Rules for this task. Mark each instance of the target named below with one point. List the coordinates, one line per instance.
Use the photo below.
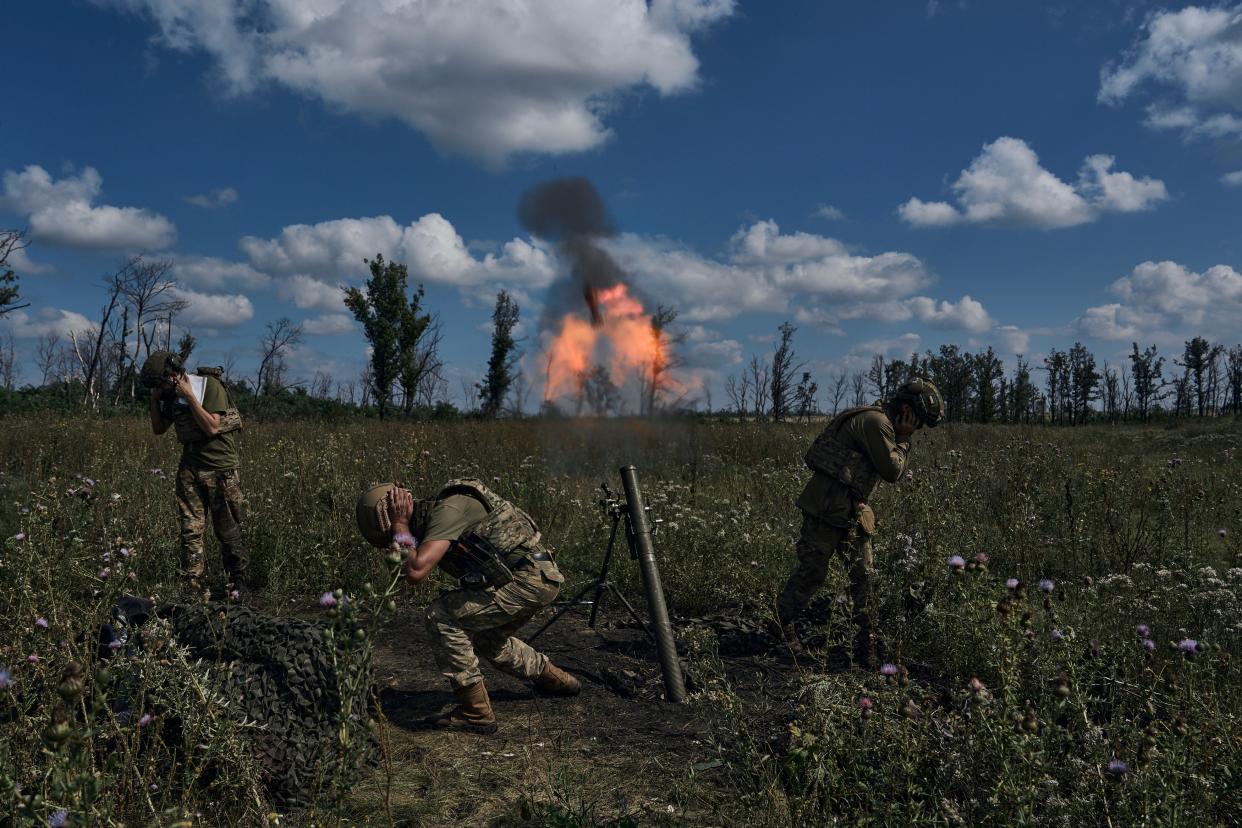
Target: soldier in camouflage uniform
(207, 484)
(500, 588)
(857, 449)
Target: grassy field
(1100, 685)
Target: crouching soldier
(504, 577)
(206, 421)
(860, 447)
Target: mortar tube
(640, 539)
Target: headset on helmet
(924, 399)
(159, 367)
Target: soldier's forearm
(207, 422)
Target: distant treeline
(1205, 380)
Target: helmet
(925, 398)
(158, 366)
(371, 513)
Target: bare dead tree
(47, 352)
(321, 385)
(281, 335)
(738, 391)
(90, 355)
(151, 300)
(654, 379)
(8, 362)
(840, 381)
(427, 364)
(858, 383)
(758, 387)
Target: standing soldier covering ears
(206, 422)
(859, 447)
(504, 577)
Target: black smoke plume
(570, 212)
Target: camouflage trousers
(817, 544)
(468, 623)
(216, 494)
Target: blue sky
(890, 176)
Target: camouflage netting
(279, 672)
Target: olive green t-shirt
(218, 453)
(451, 517)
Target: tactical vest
(183, 420)
(506, 527)
(831, 456)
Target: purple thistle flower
(19, 537)
(6, 678)
(1057, 635)
(1149, 645)
(153, 787)
(58, 819)
(1117, 767)
(32, 659)
(981, 558)
(1143, 630)
(1046, 585)
(145, 720)
(105, 573)
(865, 703)
(1012, 583)
(41, 623)
(957, 562)
(1188, 645)
(124, 552)
(327, 600)
(888, 670)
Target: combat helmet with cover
(924, 398)
(163, 366)
(159, 367)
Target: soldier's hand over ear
(182, 386)
(907, 422)
(401, 507)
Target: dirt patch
(616, 754)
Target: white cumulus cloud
(1192, 59)
(1168, 299)
(47, 321)
(313, 260)
(488, 78)
(210, 273)
(1006, 185)
(966, 314)
(1232, 179)
(62, 213)
(329, 324)
(214, 310)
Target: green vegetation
(1037, 702)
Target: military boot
(473, 712)
(786, 634)
(556, 682)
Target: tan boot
(556, 682)
(473, 712)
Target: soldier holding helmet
(860, 447)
